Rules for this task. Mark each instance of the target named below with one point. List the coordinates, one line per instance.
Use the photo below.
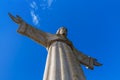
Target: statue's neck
(62, 36)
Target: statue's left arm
(31, 32)
(88, 61)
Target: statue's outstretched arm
(88, 61)
(30, 31)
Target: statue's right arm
(33, 33)
(86, 60)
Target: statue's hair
(58, 31)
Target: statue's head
(62, 31)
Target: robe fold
(63, 60)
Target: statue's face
(62, 31)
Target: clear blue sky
(93, 25)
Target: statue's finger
(10, 15)
(18, 16)
(13, 18)
(97, 63)
(95, 59)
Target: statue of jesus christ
(63, 59)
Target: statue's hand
(96, 63)
(16, 19)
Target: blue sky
(93, 27)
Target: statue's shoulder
(53, 37)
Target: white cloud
(50, 2)
(35, 8)
(43, 4)
(34, 17)
(46, 4)
(34, 5)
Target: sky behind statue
(96, 22)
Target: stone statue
(63, 59)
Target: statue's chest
(59, 39)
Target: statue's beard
(64, 34)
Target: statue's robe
(63, 60)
